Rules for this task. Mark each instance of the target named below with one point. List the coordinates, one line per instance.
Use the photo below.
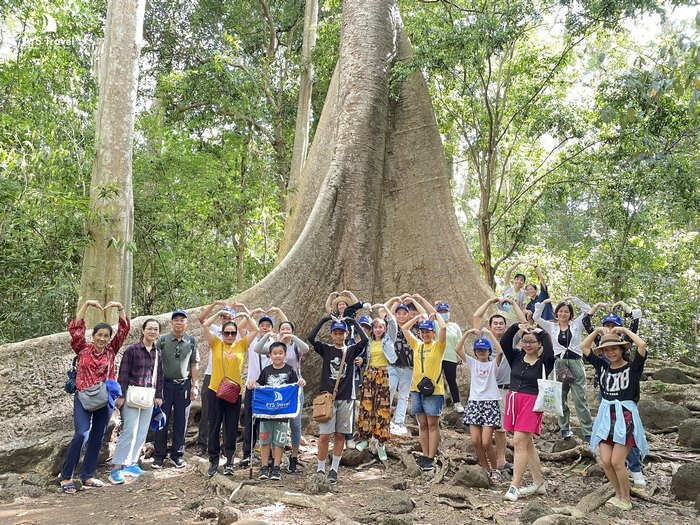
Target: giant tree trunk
(107, 264)
(380, 221)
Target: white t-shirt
(483, 380)
(256, 362)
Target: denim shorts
(428, 405)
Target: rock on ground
(534, 510)
(686, 482)
(560, 445)
(471, 476)
(228, 515)
(396, 503)
(689, 433)
(354, 458)
(658, 414)
(673, 375)
(317, 484)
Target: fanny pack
(426, 385)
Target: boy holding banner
(275, 401)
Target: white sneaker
(638, 479)
(512, 494)
(459, 408)
(350, 443)
(534, 488)
(400, 430)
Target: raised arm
(540, 276)
(496, 346)
(518, 311)
(316, 329)
(415, 303)
(259, 347)
(329, 302)
(442, 336)
(507, 342)
(351, 296)
(80, 314)
(300, 345)
(429, 308)
(587, 343)
(206, 328)
(479, 314)
(537, 316)
(281, 318)
(638, 341)
(252, 326)
(202, 317)
(509, 272)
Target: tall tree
(107, 264)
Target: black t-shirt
(619, 384)
(331, 365)
(524, 376)
(271, 376)
(404, 353)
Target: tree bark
(107, 263)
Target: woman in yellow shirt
(375, 407)
(427, 370)
(227, 356)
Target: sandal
(622, 505)
(69, 488)
(93, 483)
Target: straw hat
(341, 299)
(613, 340)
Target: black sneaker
(178, 463)
(213, 468)
(228, 469)
(332, 477)
(157, 464)
(421, 461)
(428, 465)
(245, 462)
(292, 468)
(276, 473)
(264, 472)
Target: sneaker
(495, 476)
(534, 488)
(332, 477)
(381, 452)
(157, 464)
(245, 462)
(292, 468)
(459, 408)
(228, 469)
(361, 446)
(116, 477)
(321, 472)
(401, 430)
(428, 465)
(638, 479)
(350, 443)
(133, 471)
(567, 434)
(213, 468)
(512, 494)
(178, 463)
(276, 473)
(264, 472)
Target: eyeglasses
(228, 333)
(529, 342)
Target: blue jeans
(428, 405)
(89, 427)
(295, 424)
(176, 407)
(400, 379)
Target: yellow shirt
(432, 362)
(377, 359)
(233, 355)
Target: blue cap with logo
(158, 420)
(443, 307)
(401, 306)
(482, 344)
(266, 318)
(612, 318)
(178, 312)
(365, 319)
(339, 325)
(426, 325)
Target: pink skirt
(519, 416)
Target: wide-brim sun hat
(341, 299)
(613, 340)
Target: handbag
(143, 397)
(564, 373)
(426, 386)
(548, 396)
(228, 389)
(323, 403)
(69, 386)
(96, 396)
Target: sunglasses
(228, 333)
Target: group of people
(405, 349)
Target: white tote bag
(549, 395)
(143, 397)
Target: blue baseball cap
(228, 310)
(482, 344)
(426, 325)
(365, 319)
(339, 325)
(158, 420)
(612, 318)
(401, 306)
(443, 307)
(266, 318)
(178, 312)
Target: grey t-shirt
(178, 355)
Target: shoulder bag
(69, 386)
(143, 397)
(228, 389)
(323, 403)
(426, 385)
(96, 396)
(548, 395)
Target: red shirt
(93, 366)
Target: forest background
(572, 141)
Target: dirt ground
(178, 496)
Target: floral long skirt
(375, 407)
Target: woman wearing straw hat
(618, 426)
